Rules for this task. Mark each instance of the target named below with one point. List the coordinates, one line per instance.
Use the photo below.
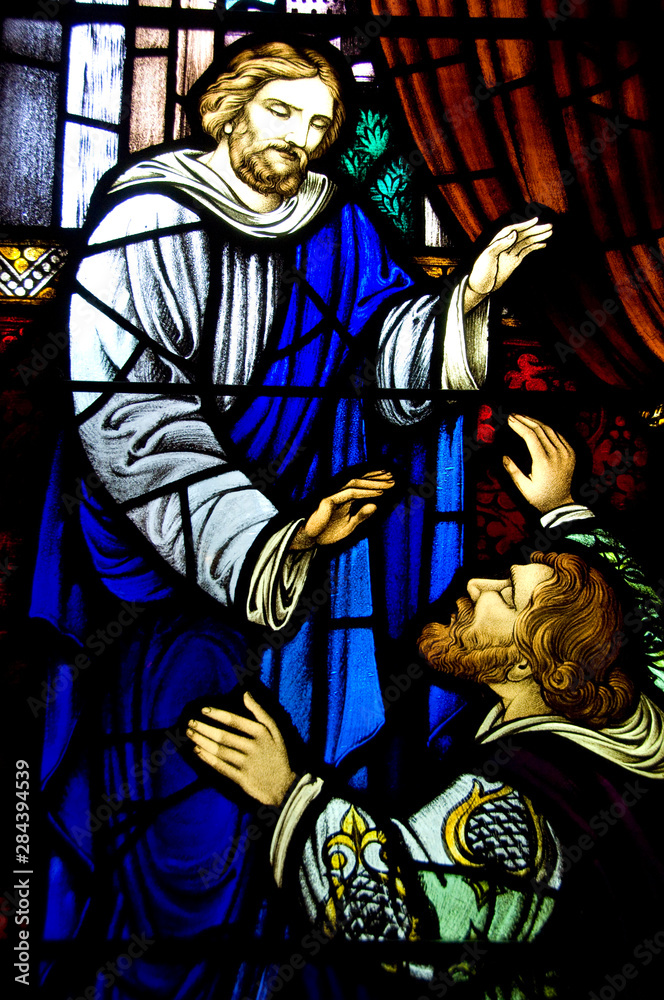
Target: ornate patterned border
(29, 270)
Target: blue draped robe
(170, 852)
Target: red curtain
(562, 123)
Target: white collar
(637, 744)
(182, 169)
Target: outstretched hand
(332, 521)
(505, 252)
(255, 757)
(549, 483)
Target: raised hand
(332, 521)
(549, 483)
(505, 252)
(255, 757)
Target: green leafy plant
(646, 613)
(391, 177)
(372, 138)
(373, 133)
(389, 191)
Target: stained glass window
(270, 427)
(29, 95)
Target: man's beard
(270, 166)
(455, 649)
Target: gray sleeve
(406, 347)
(142, 443)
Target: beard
(270, 166)
(455, 649)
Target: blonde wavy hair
(251, 69)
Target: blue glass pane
(446, 557)
(89, 153)
(404, 528)
(35, 39)
(358, 698)
(28, 106)
(267, 668)
(295, 686)
(359, 779)
(442, 706)
(64, 909)
(349, 573)
(449, 492)
(349, 437)
(96, 65)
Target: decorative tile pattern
(29, 272)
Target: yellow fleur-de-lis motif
(351, 843)
(356, 836)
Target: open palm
(550, 481)
(507, 250)
(334, 519)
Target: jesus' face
(478, 644)
(280, 128)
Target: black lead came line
(641, 25)
(191, 572)
(180, 486)
(344, 333)
(360, 390)
(140, 335)
(149, 234)
(94, 408)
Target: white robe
(140, 442)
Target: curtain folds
(564, 124)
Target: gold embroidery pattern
(367, 897)
(489, 826)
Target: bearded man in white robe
(222, 306)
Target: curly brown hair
(570, 634)
(251, 69)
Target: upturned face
(498, 603)
(271, 143)
(478, 644)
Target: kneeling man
(548, 833)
